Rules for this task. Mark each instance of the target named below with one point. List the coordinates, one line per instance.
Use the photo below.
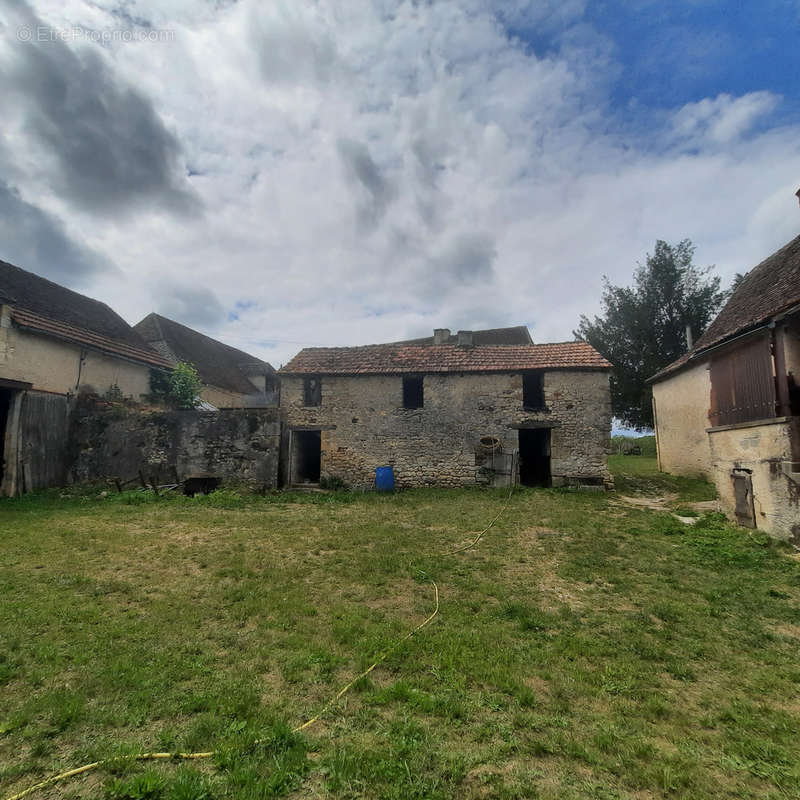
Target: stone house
(730, 408)
(55, 343)
(482, 407)
(232, 378)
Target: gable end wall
(681, 404)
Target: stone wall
(765, 451)
(680, 405)
(364, 425)
(239, 445)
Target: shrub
(180, 388)
(184, 385)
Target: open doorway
(5, 407)
(306, 456)
(534, 456)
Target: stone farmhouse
(231, 377)
(55, 343)
(730, 408)
(480, 407)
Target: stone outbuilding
(478, 407)
(55, 343)
(730, 408)
(231, 377)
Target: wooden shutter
(743, 384)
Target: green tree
(184, 386)
(643, 327)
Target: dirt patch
(652, 502)
(788, 631)
(401, 598)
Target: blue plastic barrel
(384, 479)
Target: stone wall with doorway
(363, 425)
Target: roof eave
(154, 363)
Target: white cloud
(723, 119)
(371, 171)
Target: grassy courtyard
(584, 649)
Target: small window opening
(312, 392)
(412, 392)
(533, 390)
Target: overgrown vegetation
(585, 649)
(179, 388)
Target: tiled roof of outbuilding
(36, 322)
(49, 308)
(383, 359)
(767, 290)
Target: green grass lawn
(583, 650)
(634, 475)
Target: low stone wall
(239, 445)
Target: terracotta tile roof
(386, 359)
(218, 364)
(71, 333)
(767, 290)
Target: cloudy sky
(279, 174)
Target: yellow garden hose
(62, 776)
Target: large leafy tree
(643, 327)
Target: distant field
(647, 444)
(585, 649)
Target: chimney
(441, 335)
(689, 338)
(465, 338)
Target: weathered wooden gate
(42, 441)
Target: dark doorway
(307, 456)
(5, 407)
(534, 456)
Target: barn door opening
(5, 408)
(307, 456)
(534, 456)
